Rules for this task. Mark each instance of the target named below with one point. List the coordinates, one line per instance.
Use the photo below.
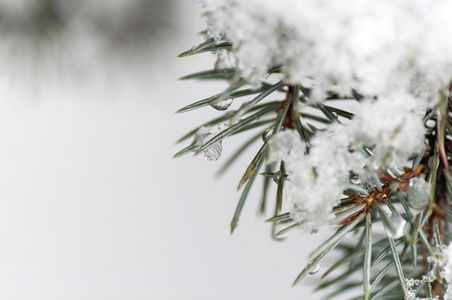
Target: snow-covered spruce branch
(361, 135)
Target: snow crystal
(441, 261)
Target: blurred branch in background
(44, 39)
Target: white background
(92, 206)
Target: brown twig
(377, 196)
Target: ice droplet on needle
(213, 153)
(276, 176)
(222, 105)
(315, 270)
(267, 134)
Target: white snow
(380, 46)
(392, 130)
(398, 51)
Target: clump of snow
(314, 185)
(287, 146)
(310, 192)
(391, 130)
(381, 47)
(391, 126)
(397, 54)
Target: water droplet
(222, 105)
(399, 225)
(276, 176)
(418, 194)
(334, 114)
(267, 134)
(213, 153)
(315, 270)
(355, 179)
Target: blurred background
(92, 205)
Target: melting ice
(222, 105)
